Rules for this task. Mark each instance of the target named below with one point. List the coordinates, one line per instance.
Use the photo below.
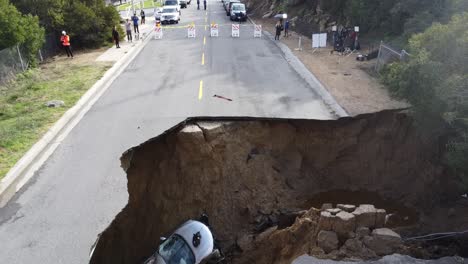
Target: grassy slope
(146, 4)
(23, 116)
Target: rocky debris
(346, 207)
(383, 241)
(365, 215)
(55, 103)
(326, 206)
(327, 240)
(326, 221)
(345, 223)
(380, 215)
(362, 231)
(334, 211)
(355, 240)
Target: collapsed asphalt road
(240, 170)
(56, 217)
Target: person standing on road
(204, 4)
(286, 28)
(65, 40)
(116, 37)
(142, 14)
(198, 4)
(128, 29)
(278, 28)
(135, 23)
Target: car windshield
(169, 10)
(170, 3)
(176, 251)
(238, 7)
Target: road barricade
(235, 30)
(158, 33)
(214, 30)
(258, 31)
(191, 31)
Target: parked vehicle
(158, 13)
(172, 3)
(229, 5)
(170, 15)
(183, 3)
(238, 12)
(191, 243)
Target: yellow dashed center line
(200, 90)
(206, 19)
(203, 59)
(204, 40)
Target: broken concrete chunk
(326, 221)
(326, 206)
(327, 240)
(344, 224)
(354, 245)
(380, 215)
(191, 129)
(356, 248)
(346, 207)
(383, 241)
(362, 231)
(365, 215)
(334, 211)
(317, 251)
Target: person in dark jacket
(286, 28)
(116, 37)
(198, 4)
(142, 14)
(204, 4)
(279, 28)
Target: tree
(435, 82)
(20, 29)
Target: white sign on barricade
(319, 40)
(191, 31)
(214, 30)
(158, 33)
(235, 30)
(258, 31)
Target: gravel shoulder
(346, 79)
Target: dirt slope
(236, 170)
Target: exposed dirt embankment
(238, 170)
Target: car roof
(206, 247)
(170, 7)
(238, 4)
(234, 1)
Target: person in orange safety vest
(65, 40)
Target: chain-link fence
(388, 55)
(12, 62)
(15, 60)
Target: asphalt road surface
(76, 194)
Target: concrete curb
(25, 168)
(308, 76)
